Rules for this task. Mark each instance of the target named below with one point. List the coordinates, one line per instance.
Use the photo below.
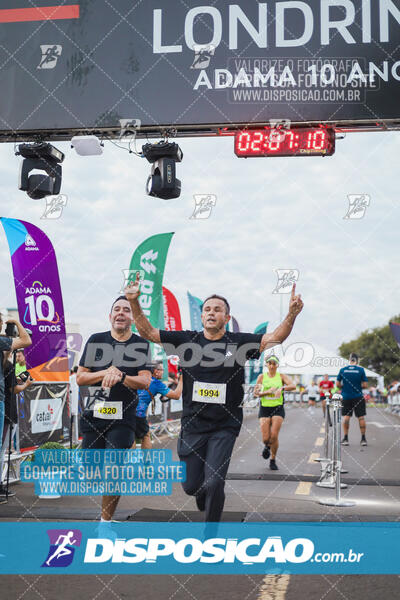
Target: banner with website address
(211, 548)
(188, 63)
(39, 299)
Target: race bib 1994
(212, 393)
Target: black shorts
(356, 404)
(271, 411)
(118, 437)
(142, 428)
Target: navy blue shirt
(351, 378)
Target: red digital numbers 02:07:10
(316, 141)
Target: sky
(270, 213)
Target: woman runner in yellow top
(269, 388)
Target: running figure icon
(62, 550)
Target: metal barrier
(332, 468)
(16, 459)
(250, 403)
(326, 479)
(170, 428)
(295, 399)
(393, 404)
(328, 424)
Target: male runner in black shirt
(112, 367)
(212, 363)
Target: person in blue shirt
(351, 380)
(156, 387)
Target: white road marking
(304, 488)
(320, 441)
(274, 587)
(381, 425)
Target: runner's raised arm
(143, 325)
(283, 330)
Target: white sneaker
(105, 530)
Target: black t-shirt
(100, 352)
(220, 361)
(5, 345)
(10, 406)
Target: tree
(378, 351)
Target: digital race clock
(316, 141)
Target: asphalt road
(254, 493)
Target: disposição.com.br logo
(62, 547)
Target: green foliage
(378, 351)
(52, 446)
(47, 446)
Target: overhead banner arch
(91, 66)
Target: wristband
(123, 377)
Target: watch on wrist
(123, 377)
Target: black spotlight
(162, 182)
(44, 157)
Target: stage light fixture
(162, 182)
(43, 157)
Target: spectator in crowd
(8, 344)
(148, 396)
(385, 394)
(394, 389)
(74, 401)
(172, 380)
(20, 362)
(373, 392)
(325, 388)
(313, 396)
(11, 415)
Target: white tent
(311, 362)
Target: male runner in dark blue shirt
(351, 380)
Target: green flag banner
(262, 328)
(195, 305)
(150, 258)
